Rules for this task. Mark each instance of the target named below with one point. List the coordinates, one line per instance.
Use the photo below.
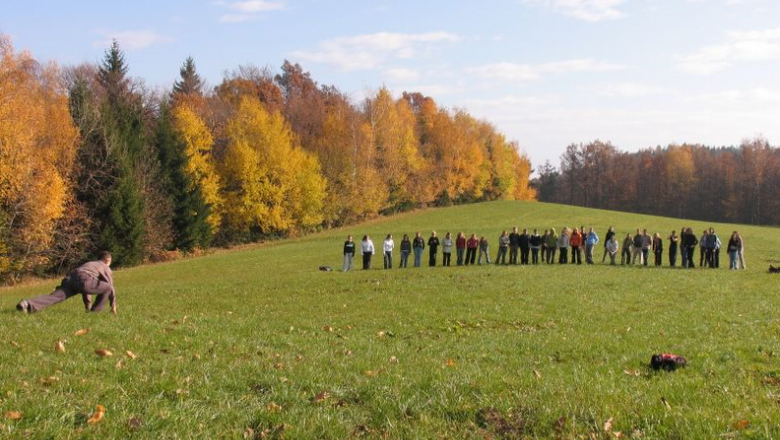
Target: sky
(547, 73)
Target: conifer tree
(191, 212)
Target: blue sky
(548, 73)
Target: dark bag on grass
(667, 361)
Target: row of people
(529, 246)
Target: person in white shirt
(612, 249)
(367, 249)
(387, 248)
(446, 249)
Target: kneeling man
(93, 278)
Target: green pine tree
(191, 213)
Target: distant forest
(92, 158)
(736, 184)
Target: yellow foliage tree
(395, 144)
(37, 145)
(200, 167)
(269, 183)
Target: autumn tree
(270, 185)
(37, 145)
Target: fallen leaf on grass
(134, 423)
(13, 415)
(321, 397)
(15, 344)
(393, 360)
(381, 334)
(104, 353)
(537, 374)
(632, 372)
(370, 373)
(59, 347)
(130, 354)
(119, 364)
(100, 411)
(328, 329)
(83, 331)
(608, 425)
(450, 363)
(742, 424)
(273, 407)
(46, 381)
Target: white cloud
(529, 72)
(132, 40)
(740, 47)
(629, 90)
(256, 6)
(248, 10)
(586, 10)
(371, 51)
(400, 74)
(728, 97)
(237, 18)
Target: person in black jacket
(406, 249)
(514, 244)
(673, 240)
(536, 245)
(689, 243)
(418, 245)
(349, 254)
(433, 247)
(525, 246)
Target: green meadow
(258, 343)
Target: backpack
(667, 361)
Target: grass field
(258, 343)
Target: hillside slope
(543, 351)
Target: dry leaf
(100, 411)
(323, 395)
(83, 331)
(104, 353)
(134, 423)
(130, 354)
(327, 328)
(742, 424)
(617, 434)
(370, 373)
(15, 344)
(632, 372)
(273, 407)
(49, 380)
(381, 334)
(537, 374)
(59, 347)
(450, 363)
(608, 425)
(13, 415)
(393, 360)
(119, 364)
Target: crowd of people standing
(571, 244)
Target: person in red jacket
(471, 249)
(575, 241)
(460, 247)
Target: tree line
(93, 159)
(729, 184)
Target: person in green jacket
(552, 245)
